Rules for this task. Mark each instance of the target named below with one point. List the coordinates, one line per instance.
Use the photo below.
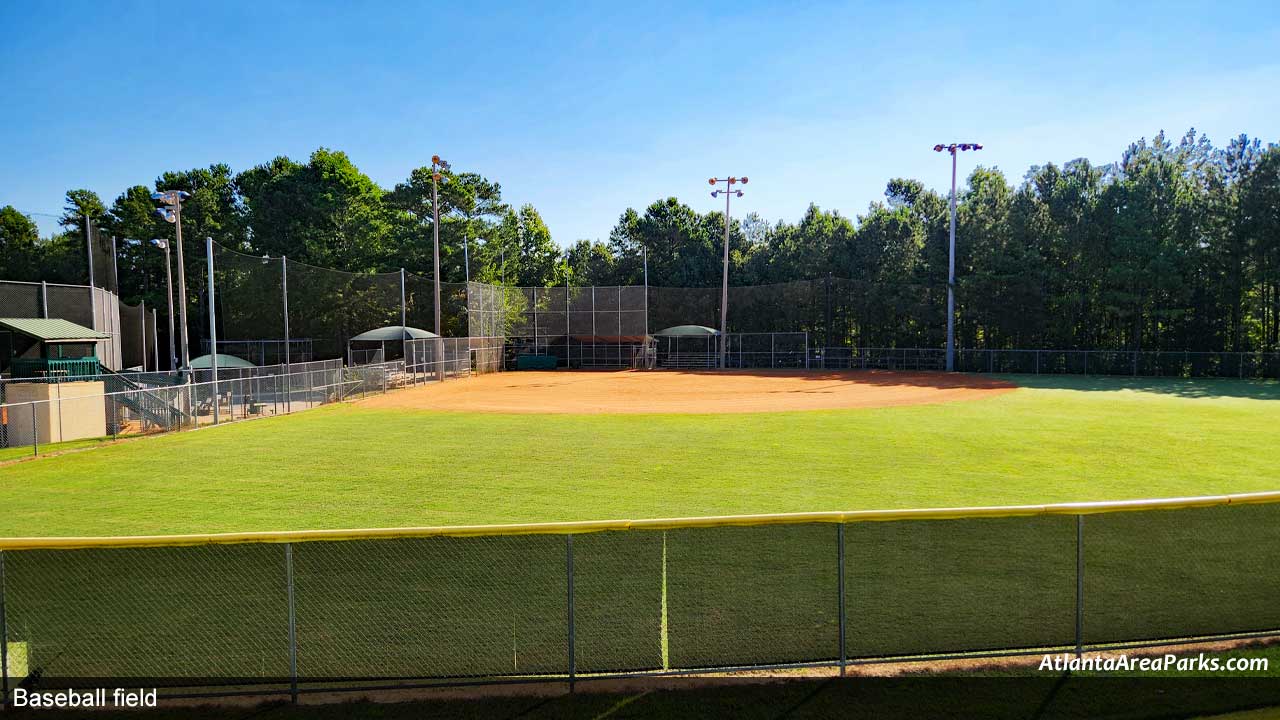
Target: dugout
(580, 352)
(687, 347)
(384, 343)
(55, 390)
(41, 347)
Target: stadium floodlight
(951, 262)
(728, 192)
(168, 284)
(171, 212)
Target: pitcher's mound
(665, 391)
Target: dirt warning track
(732, 391)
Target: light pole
(438, 168)
(724, 284)
(168, 283)
(172, 212)
(951, 261)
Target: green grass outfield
(345, 466)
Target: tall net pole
(182, 288)
(646, 292)
(213, 328)
(88, 245)
(284, 291)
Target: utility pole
(951, 261)
(724, 284)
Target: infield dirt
(742, 391)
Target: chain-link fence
(1147, 363)
(326, 608)
(41, 415)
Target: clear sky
(586, 109)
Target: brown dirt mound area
(593, 392)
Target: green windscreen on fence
(1178, 573)
(617, 589)
(215, 611)
(947, 586)
(509, 606)
(432, 607)
(752, 595)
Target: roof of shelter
(393, 332)
(224, 361)
(688, 330)
(52, 329)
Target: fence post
(35, 433)
(568, 554)
(1079, 585)
(840, 592)
(293, 627)
(4, 644)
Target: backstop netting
(580, 327)
(325, 308)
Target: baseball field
(570, 446)
(559, 446)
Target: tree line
(1175, 245)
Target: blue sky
(586, 109)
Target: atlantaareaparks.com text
(1148, 663)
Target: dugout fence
(154, 402)
(293, 612)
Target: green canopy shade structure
(371, 346)
(688, 330)
(205, 362)
(392, 333)
(687, 347)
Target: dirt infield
(596, 392)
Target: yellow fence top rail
(571, 528)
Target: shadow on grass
(1180, 387)
(1051, 696)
